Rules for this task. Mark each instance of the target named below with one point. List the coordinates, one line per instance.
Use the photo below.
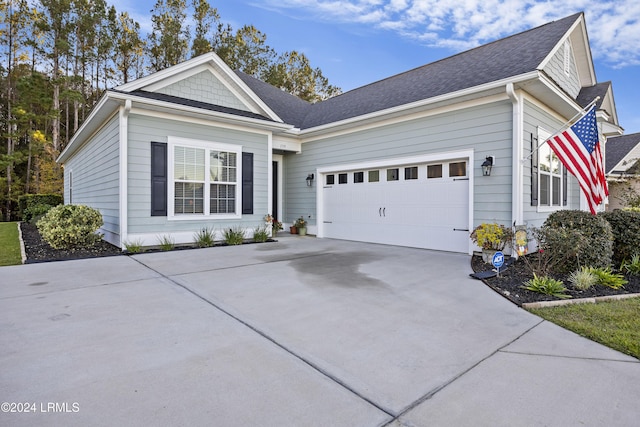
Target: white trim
(172, 142)
(517, 175)
(269, 174)
(124, 172)
(398, 161)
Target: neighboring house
(395, 162)
(623, 175)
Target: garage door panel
(423, 213)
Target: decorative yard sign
(498, 261)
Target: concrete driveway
(303, 332)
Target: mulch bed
(510, 281)
(37, 250)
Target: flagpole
(564, 125)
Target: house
(622, 171)
(395, 162)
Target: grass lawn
(9, 244)
(615, 324)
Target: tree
(129, 48)
(293, 73)
(168, 43)
(246, 50)
(206, 19)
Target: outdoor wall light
(310, 180)
(487, 165)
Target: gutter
(517, 190)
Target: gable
(562, 68)
(204, 87)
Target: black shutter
(534, 171)
(158, 179)
(565, 186)
(247, 183)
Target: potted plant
(491, 237)
(301, 225)
(272, 225)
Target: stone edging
(543, 304)
(23, 253)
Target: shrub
(166, 243)
(492, 236)
(134, 247)
(234, 236)
(598, 248)
(625, 226)
(609, 279)
(35, 212)
(205, 238)
(260, 235)
(583, 279)
(547, 286)
(69, 226)
(631, 267)
(28, 202)
(557, 249)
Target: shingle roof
(197, 104)
(504, 58)
(618, 147)
(588, 94)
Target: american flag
(578, 148)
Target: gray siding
(534, 117)
(486, 129)
(204, 87)
(555, 69)
(143, 130)
(96, 180)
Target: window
(374, 176)
(206, 178)
(393, 174)
(223, 178)
(434, 171)
(70, 187)
(342, 178)
(331, 179)
(458, 169)
(358, 177)
(550, 171)
(411, 173)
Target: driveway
(302, 332)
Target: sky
(357, 42)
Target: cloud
(613, 25)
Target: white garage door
(422, 206)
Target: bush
(33, 205)
(205, 237)
(492, 236)
(546, 286)
(598, 248)
(166, 243)
(234, 236)
(631, 266)
(558, 249)
(260, 235)
(69, 226)
(626, 234)
(609, 279)
(583, 279)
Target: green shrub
(234, 236)
(557, 249)
(583, 279)
(35, 212)
(609, 279)
(205, 238)
(70, 226)
(166, 243)
(28, 202)
(260, 235)
(134, 247)
(547, 286)
(626, 233)
(631, 267)
(598, 248)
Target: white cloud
(613, 25)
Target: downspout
(124, 144)
(517, 207)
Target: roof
(619, 147)
(588, 94)
(512, 56)
(197, 104)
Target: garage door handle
(384, 212)
(380, 212)
(460, 229)
(461, 179)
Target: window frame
(562, 176)
(208, 146)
